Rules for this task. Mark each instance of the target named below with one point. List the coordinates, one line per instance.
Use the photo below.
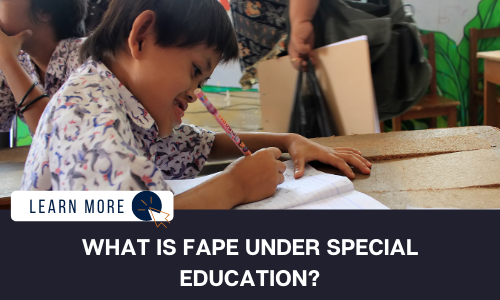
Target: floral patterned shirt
(63, 62)
(95, 135)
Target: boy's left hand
(303, 151)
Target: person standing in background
(260, 27)
(302, 39)
(401, 73)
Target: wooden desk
(491, 80)
(440, 168)
(435, 168)
(11, 172)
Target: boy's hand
(10, 47)
(257, 176)
(303, 150)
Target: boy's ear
(142, 34)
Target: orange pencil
(203, 98)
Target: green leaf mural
(488, 17)
(452, 72)
(452, 61)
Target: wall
(447, 16)
(451, 21)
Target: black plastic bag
(401, 73)
(310, 115)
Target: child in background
(114, 125)
(48, 32)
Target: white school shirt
(95, 135)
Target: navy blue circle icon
(143, 202)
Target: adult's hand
(301, 44)
(302, 31)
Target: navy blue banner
(458, 256)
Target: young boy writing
(112, 126)
(48, 32)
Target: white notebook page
(180, 186)
(350, 200)
(313, 186)
(315, 190)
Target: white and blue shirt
(95, 135)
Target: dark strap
(33, 102)
(27, 93)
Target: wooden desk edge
(491, 55)
(5, 202)
(5, 207)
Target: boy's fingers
(340, 164)
(347, 149)
(281, 167)
(298, 167)
(275, 151)
(281, 178)
(364, 160)
(355, 162)
(361, 158)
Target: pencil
(237, 141)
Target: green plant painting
(452, 61)
(452, 64)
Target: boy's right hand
(256, 177)
(10, 47)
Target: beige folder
(344, 73)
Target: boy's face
(167, 78)
(15, 16)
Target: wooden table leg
(490, 103)
(396, 124)
(498, 113)
(473, 111)
(433, 123)
(452, 117)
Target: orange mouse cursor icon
(160, 215)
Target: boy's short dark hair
(179, 23)
(67, 16)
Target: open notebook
(315, 190)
